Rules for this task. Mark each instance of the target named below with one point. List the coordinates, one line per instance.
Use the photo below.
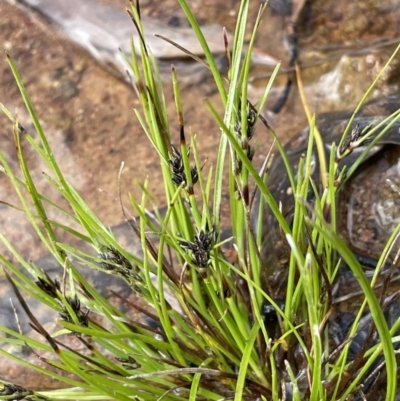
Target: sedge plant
(212, 328)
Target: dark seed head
(49, 286)
(18, 392)
(178, 170)
(200, 247)
(251, 121)
(75, 305)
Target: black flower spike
(178, 179)
(353, 140)
(201, 247)
(178, 170)
(75, 305)
(114, 261)
(117, 263)
(18, 392)
(250, 153)
(251, 121)
(129, 363)
(49, 286)
(176, 161)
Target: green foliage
(204, 335)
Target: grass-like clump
(212, 327)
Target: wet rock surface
(367, 203)
(372, 203)
(87, 113)
(367, 216)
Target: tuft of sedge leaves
(214, 330)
